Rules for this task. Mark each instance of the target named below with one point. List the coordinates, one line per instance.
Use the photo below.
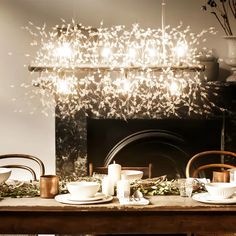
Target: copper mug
(49, 186)
(221, 176)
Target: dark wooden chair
(193, 171)
(147, 170)
(25, 167)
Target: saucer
(207, 198)
(65, 198)
(96, 197)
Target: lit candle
(114, 172)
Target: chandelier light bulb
(123, 85)
(152, 52)
(132, 53)
(65, 86)
(64, 50)
(175, 89)
(106, 52)
(181, 49)
(126, 85)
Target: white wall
(21, 132)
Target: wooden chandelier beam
(119, 68)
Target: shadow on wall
(223, 74)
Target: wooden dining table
(164, 214)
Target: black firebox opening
(166, 143)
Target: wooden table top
(157, 203)
(165, 214)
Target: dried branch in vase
(223, 10)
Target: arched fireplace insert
(165, 150)
(167, 143)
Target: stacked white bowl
(4, 174)
(83, 189)
(220, 191)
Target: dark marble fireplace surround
(167, 143)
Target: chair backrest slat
(20, 166)
(193, 173)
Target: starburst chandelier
(119, 72)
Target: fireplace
(166, 143)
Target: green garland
(18, 189)
(161, 188)
(149, 187)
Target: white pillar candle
(114, 172)
(107, 186)
(123, 188)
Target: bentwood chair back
(192, 171)
(147, 170)
(23, 166)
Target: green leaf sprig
(19, 189)
(156, 186)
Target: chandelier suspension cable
(163, 4)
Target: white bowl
(4, 174)
(220, 190)
(83, 189)
(132, 175)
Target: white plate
(65, 198)
(206, 198)
(96, 197)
